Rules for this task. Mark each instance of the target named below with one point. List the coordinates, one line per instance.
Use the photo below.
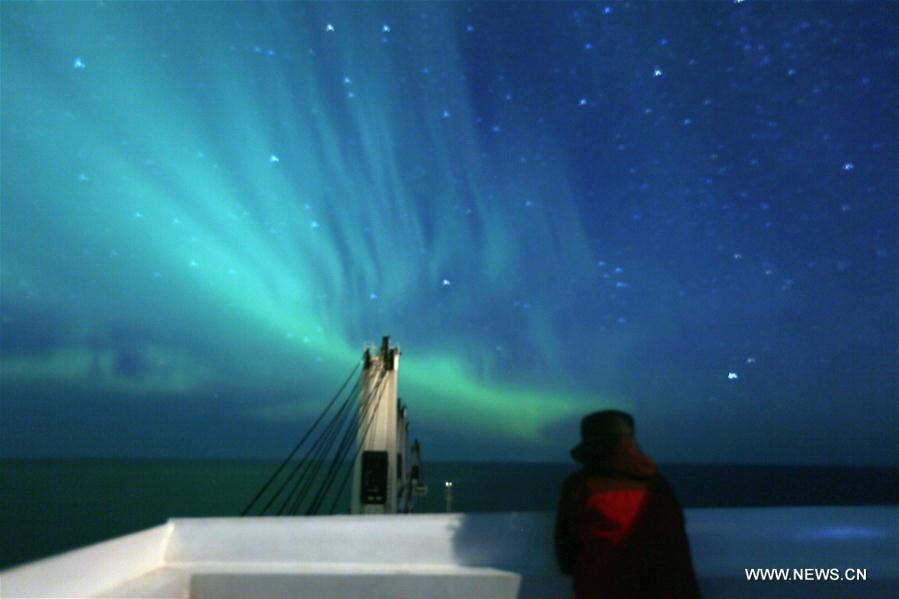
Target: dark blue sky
(687, 210)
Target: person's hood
(630, 461)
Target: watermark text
(806, 574)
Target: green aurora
(678, 209)
(277, 210)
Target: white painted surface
(88, 571)
(453, 555)
(470, 582)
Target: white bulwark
(502, 555)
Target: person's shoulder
(573, 480)
(661, 484)
(662, 489)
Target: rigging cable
(359, 447)
(301, 442)
(345, 445)
(318, 449)
(321, 457)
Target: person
(619, 528)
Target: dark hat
(600, 432)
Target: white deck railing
(452, 555)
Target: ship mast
(377, 471)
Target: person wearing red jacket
(619, 528)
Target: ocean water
(48, 506)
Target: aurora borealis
(684, 210)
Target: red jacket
(620, 531)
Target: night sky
(685, 210)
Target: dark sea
(50, 506)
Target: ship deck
(452, 555)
